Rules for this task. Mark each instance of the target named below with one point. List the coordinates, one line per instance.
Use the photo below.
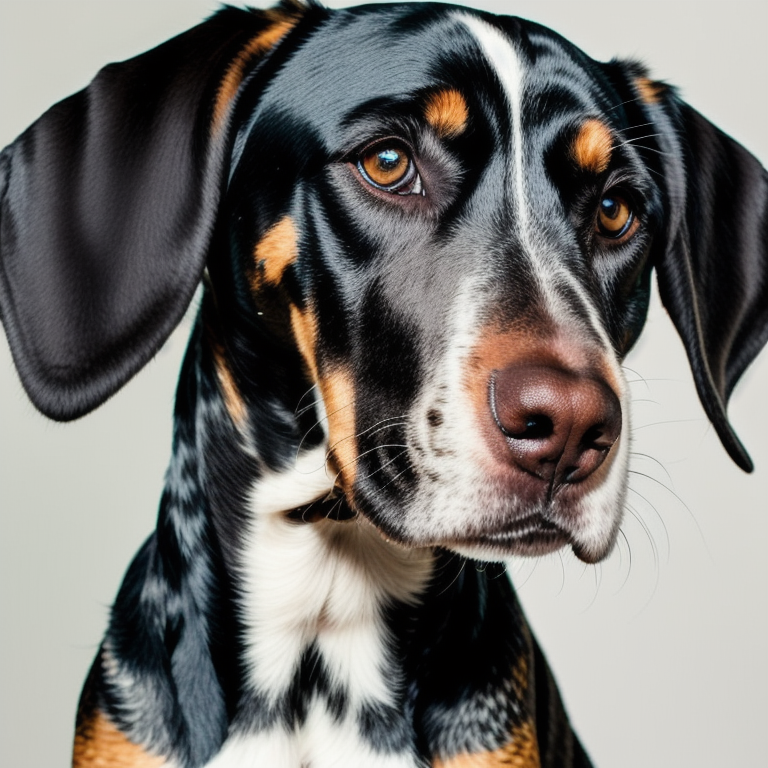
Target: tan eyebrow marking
(649, 90)
(275, 252)
(447, 112)
(592, 147)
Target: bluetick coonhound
(425, 236)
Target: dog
(388, 276)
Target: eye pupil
(609, 208)
(615, 217)
(389, 159)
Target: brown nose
(559, 425)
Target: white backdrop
(660, 651)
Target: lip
(530, 536)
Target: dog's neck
(284, 612)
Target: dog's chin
(494, 548)
(534, 537)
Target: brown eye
(389, 167)
(614, 216)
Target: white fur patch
(327, 583)
(321, 743)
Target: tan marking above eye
(613, 216)
(275, 252)
(593, 145)
(447, 112)
(650, 91)
(386, 164)
(281, 22)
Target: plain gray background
(660, 651)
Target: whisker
(372, 430)
(317, 424)
(629, 564)
(655, 461)
(562, 573)
(654, 550)
(684, 505)
(668, 421)
(654, 510)
(532, 567)
(597, 570)
(624, 103)
(635, 139)
(300, 412)
(357, 458)
(634, 127)
(457, 576)
(386, 464)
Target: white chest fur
(324, 584)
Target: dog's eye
(614, 216)
(388, 166)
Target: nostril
(535, 427)
(598, 438)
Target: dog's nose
(559, 425)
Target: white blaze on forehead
(550, 273)
(509, 70)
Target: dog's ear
(712, 263)
(107, 206)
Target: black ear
(712, 265)
(107, 205)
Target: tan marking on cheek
(521, 752)
(304, 328)
(447, 113)
(275, 252)
(281, 24)
(592, 146)
(649, 90)
(98, 744)
(495, 350)
(338, 391)
(233, 400)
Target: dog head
(442, 221)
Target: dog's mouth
(530, 536)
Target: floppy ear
(712, 265)
(107, 205)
